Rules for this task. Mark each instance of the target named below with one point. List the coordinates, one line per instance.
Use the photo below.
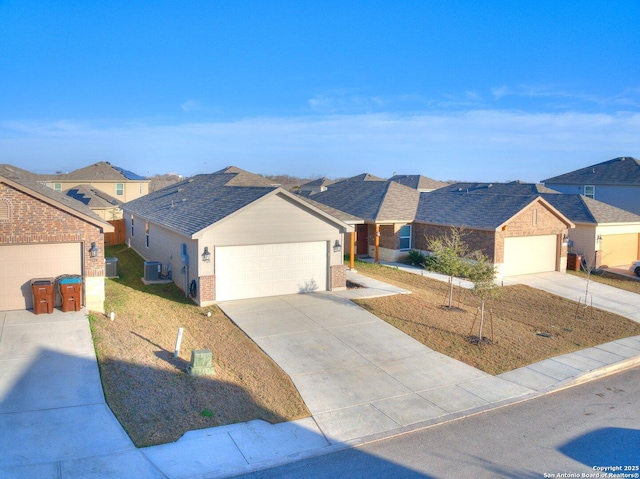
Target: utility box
(201, 364)
(42, 290)
(152, 270)
(111, 267)
(71, 291)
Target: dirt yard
(524, 325)
(148, 389)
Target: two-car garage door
(22, 263)
(269, 270)
(529, 254)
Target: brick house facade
(36, 217)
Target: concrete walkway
(361, 379)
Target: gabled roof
(619, 171)
(192, 205)
(13, 172)
(240, 177)
(92, 197)
(360, 177)
(341, 215)
(101, 171)
(418, 182)
(475, 211)
(376, 201)
(58, 200)
(512, 188)
(581, 209)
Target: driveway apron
(54, 421)
(358, 375)
(573, 287)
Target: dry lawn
(524, 325)
(147, 388)
(616, 280)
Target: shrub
(416, 258)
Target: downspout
(352, 255)
(377, 245)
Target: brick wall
(34, 221)
(475, 239)
(338, 277)
(207, 288)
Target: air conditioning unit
(152, 270)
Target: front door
(362, 241)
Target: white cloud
(483, 145)
(189, 105)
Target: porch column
(352, 252)
(377, 243)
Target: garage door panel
(22, 263)
(529, 254)
(270, 270)
(619, 250)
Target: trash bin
(111, 267)
(71, 291)
(42, 289)
(574, 261)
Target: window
(119, 189)
(141, 189)
(590, 191)
(405, 237)
(57, 186)
(132, 226)
(146, 228)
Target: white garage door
(22, 263)
(270, 270)
(529, 254)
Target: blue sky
(467, 90)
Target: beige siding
(584, 241)
(132, 189)
(274, 220)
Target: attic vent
(490, 185)
(190, 180)
(184, 199)
(180, 189)
(5, 210)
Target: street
(592, 430)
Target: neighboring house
(226, 236)
(603, 234)
(418, 182)
(45, 234)
(616, 182)
(385, 210)
(520, 234)
(105, 206)
(103, 176)
(315, 186)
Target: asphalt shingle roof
(92, 197)
(511, 188)
(581, 209)
(47, 192)
(101, 171)
(418, 182)
(476, 211)
(619, 171)
(372, 200)
(198, 202)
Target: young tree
(449, 253)
(483, 275)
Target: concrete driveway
(358, 375)
(54, 421)
(573, 287)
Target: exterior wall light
(337, 246)
(93, 251)
(206, 255)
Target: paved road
(572, 431)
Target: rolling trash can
(71, 292)
(42, 290)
